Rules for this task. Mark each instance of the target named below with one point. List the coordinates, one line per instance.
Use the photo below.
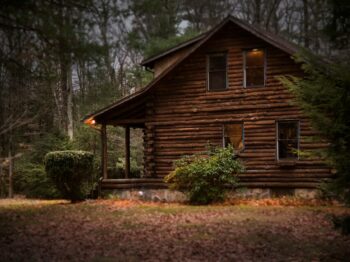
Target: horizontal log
(279, 185)
(131, 180)
(138, 185)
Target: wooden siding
(162, 64)
(182, 116)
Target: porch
(128, 114)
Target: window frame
(225, 54)
(245, 51)
(277, 140)
(243, 135)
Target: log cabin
(221, 88)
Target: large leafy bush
(204, 178)
(71, 171)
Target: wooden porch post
(127, 152)
(104, 151)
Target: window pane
(255, 76)
(233, 135)
(288, 139)
(255, 57)
(288, 130)
(217, 62)
(288, 149)
(217, 80)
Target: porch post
(104, 151)
(127, 152)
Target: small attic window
(217, 72)
(254, 67)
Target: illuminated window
(254, 67)
(234, 135)
(288, 139)
(217, 72)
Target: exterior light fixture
(90, 121)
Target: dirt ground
(114, 230)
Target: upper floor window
(288, 139)
(254, 67)
(217, 72)
(234, 135)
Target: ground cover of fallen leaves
(120, 230)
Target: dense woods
(60, 60)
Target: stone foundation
(166, 195)
(260, 193)
(157, 195)
(307, 193)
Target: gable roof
(198, 41)
(149, 62)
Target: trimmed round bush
(70, 171)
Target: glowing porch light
(90, 121)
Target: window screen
(288, 139)
(233, 135)
(254, 67)
(217, 72)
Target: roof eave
(149, 62)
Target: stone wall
(166, 195)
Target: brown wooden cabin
(221, 88)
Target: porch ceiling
(130, 112)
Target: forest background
(63, 59)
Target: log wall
(185, 116)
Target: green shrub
(119, 170)
(342, 222)
(32, 181)
(48, 143)
(29, 171)
(71, 171)
(119, 173)
(204, 178)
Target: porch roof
(125, 112)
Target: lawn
(112, 230)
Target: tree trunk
(69, 103)
(317, 11)
(2, 183)
(306, 23)
(257, 17)
(10, 173)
